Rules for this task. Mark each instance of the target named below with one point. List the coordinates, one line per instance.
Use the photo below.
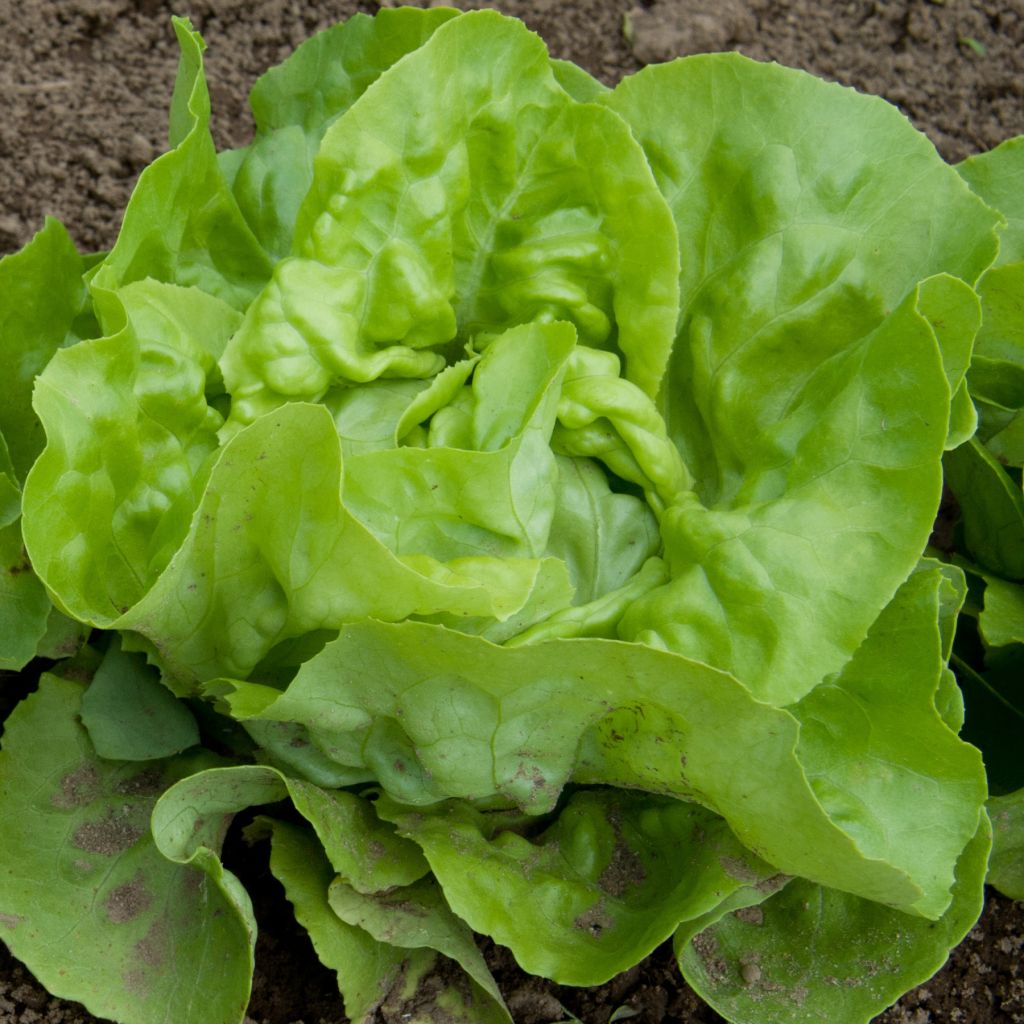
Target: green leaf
(182, 225)
(991, 506)
(41, 294)
(816, 954)
(1002, 619)
(853, 745)
(367, 970)
(436, 714)
(272, 553)
(418, 917)
(594, 892)
(130, 715)
(998, 177)
(1006, 865)
(469, 234)
(129, 429)
(802, 390)
(295, 102)
(82, 873)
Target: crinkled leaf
(129, 430)
(436, 714)
(273, 553)
(597, 890)
(1006, 865)
(83, 874)
(803, 390)
(815, 954)
(130, 715)
(451, 222)
(295, 102)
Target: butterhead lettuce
(520, 490)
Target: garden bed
(85, 86)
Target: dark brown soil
(84, 87)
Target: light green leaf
(816, 954)
(780, 581)
(82, 873)
(272, 553)
(1006, 866)
(129, 430)
(853, 745)
(436, 714)
(295, 102)
(802, 392)
(998, 177)
(182, 225)
(469, 234)
(130, 715)
(596, 890)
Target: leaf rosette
(523, 485)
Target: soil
(84, 87)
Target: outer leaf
(273, 553)
(998, 177)
(128, 429)
(82, 874)
(1002, 619)
(597, 890)
(436, 714)
(814, 954)
(992, 509)
(130, 715)
(363, 849)
(296, 101)
(41, 294)
(418, 917)
(1006, 866)
(809, 416)
(469, 234)
(853, 744)
(779, 581)
(182, 225)
(367, 970)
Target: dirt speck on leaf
(109, 837)
(78, 788)
(127, 901)
(706, 947)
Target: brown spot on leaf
(127, 901)
(10, 920)
(151, 949)
(109, 837)
(78, 788)
(750, 915)
(706, 947)
(596, 920)
(739, 869)
(149, 782)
